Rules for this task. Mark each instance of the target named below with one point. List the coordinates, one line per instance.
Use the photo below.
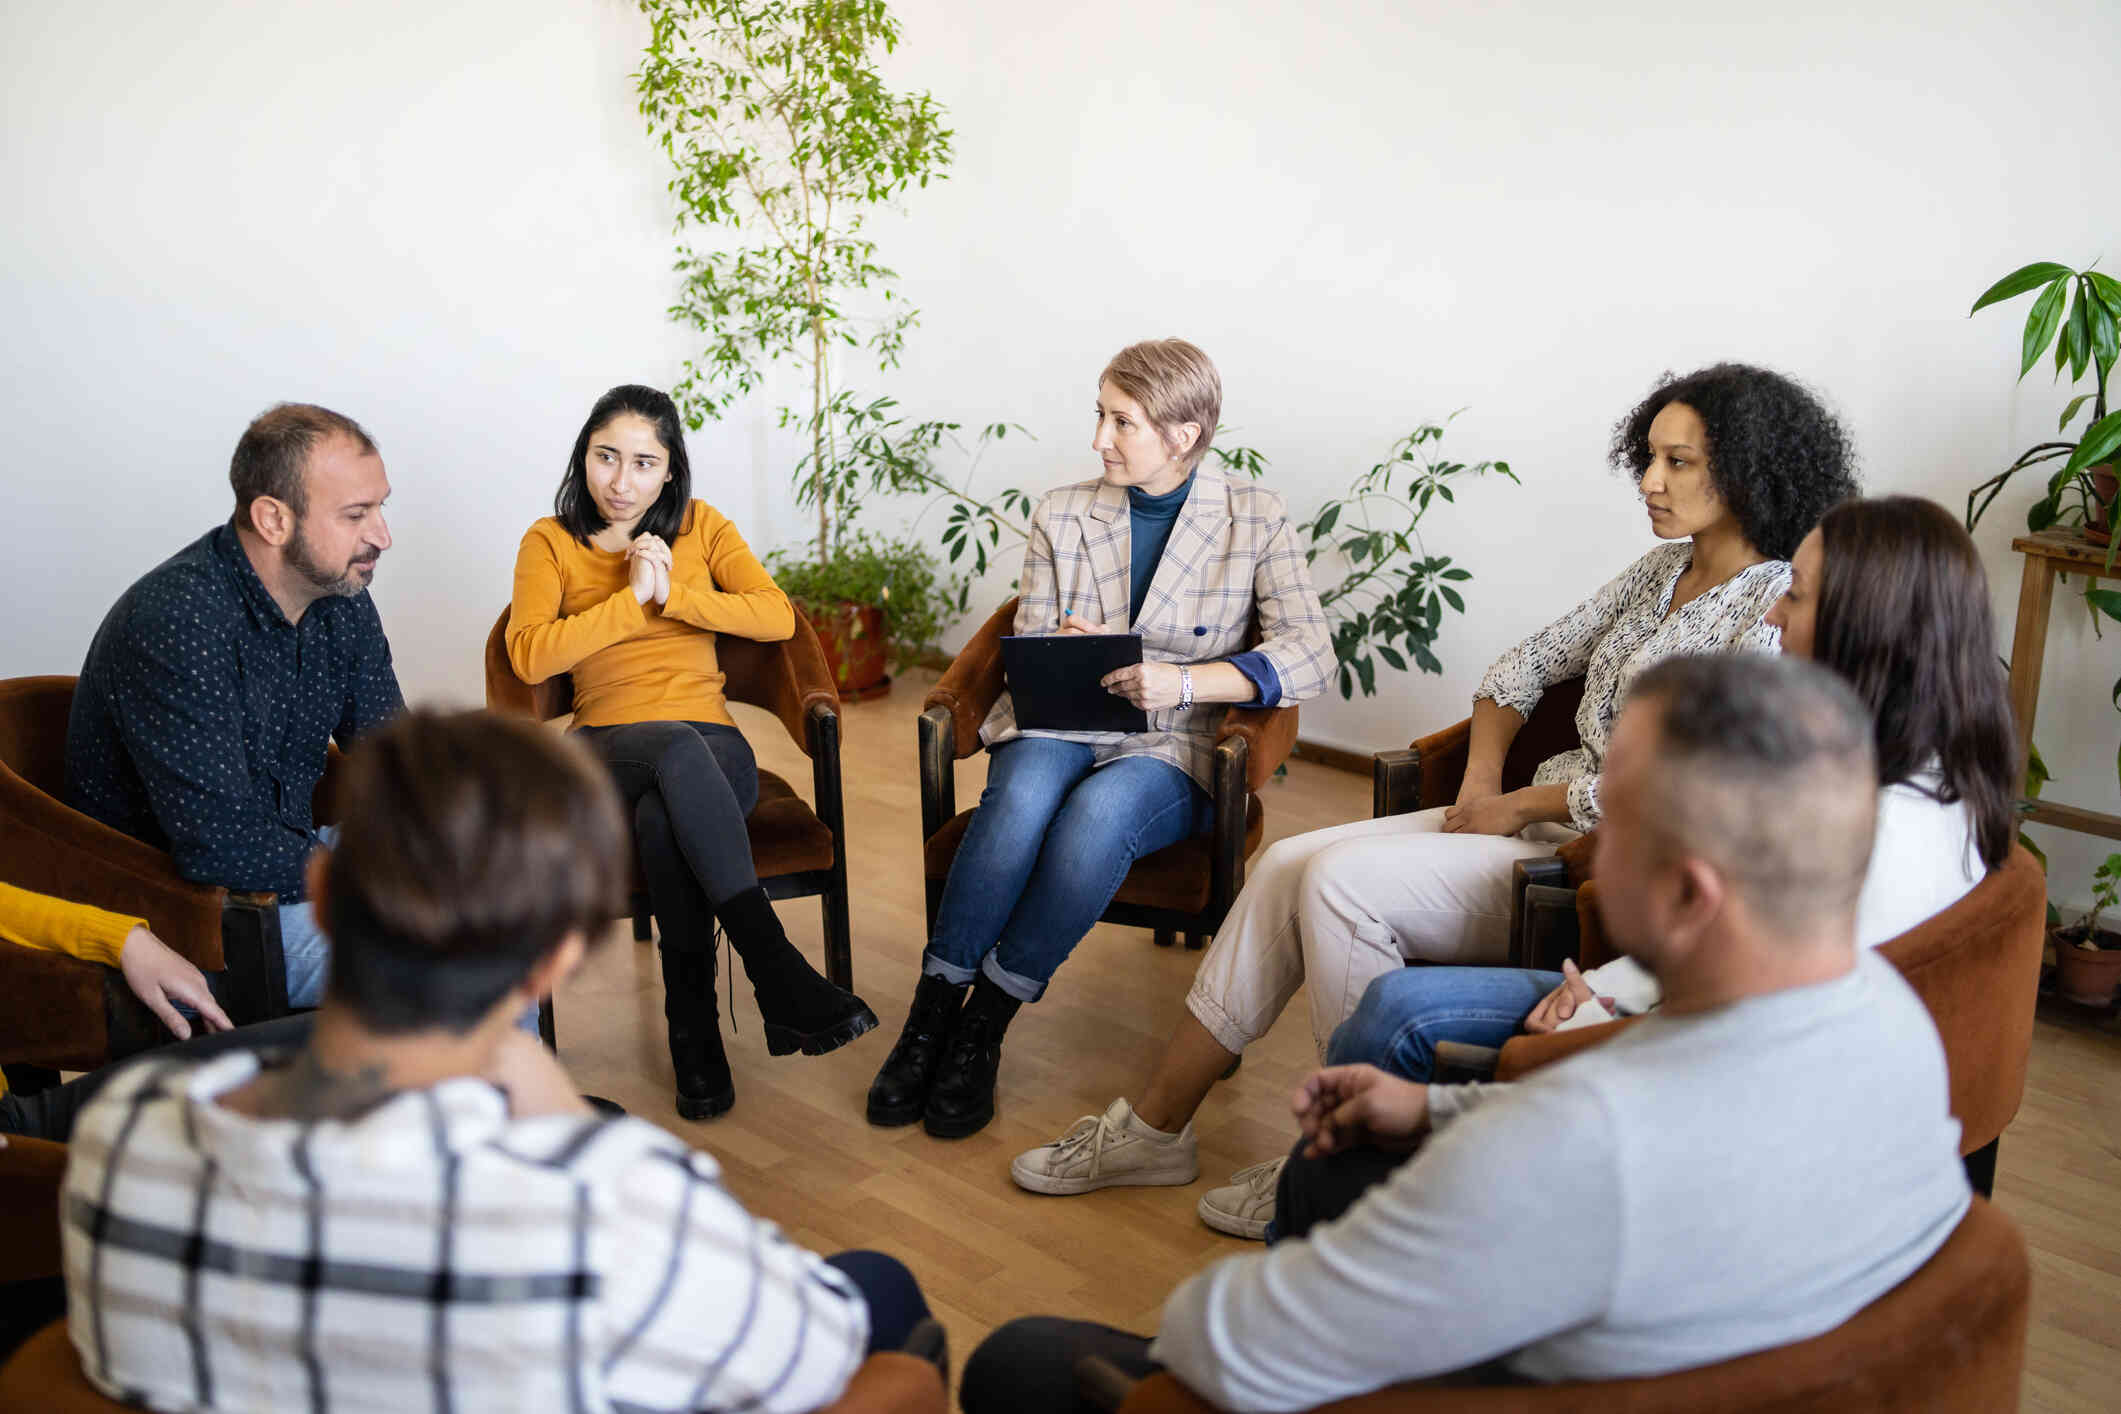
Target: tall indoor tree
(781, 131)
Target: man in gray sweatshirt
(1747, 1168)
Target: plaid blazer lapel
(1198, 536)
(1108, 542)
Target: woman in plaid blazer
(1169, 548)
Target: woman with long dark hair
(1891, 595)
(626, 586)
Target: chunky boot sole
(786, 1040)
(706, 1106)
(958, 1126)
(897, 1116)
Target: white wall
(446, 221)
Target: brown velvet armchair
(1186, 888)
(1976, 966)
(59, 1012)
(1948, 1340)
(799, 851)
(1429, 773)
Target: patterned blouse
(1612, 636)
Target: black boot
(802, 1011)
(961, 1100)
(899, 1093)
(704, 1086)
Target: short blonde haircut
(1175, 383)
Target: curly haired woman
(1734, 465)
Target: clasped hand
(648, 568)
(1560, 1004)
(1149, 686)
(1346, 1106)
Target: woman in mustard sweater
(626, 586)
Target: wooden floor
(797, 1150)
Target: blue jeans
(1404, 1014)
(1047, 849)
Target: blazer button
(1200, 630)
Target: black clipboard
(1056, 681)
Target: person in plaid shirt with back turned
(416, 1210)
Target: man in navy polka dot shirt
(203, 713)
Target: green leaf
(2101, 440)
(2106, 333)
(2107, 288)
(2071, 411)
(2106, 601)
(1451, 597)
(1326, 518)
(2077, 337)
(2041, 514)
(2019, 281)
(1391, 655)
(1456, 574)
(2040, 325)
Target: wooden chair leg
(839, 941)
(1166, 937)
(1196, 941)
(547, 1032)
(643, 920)
(1981, 1168)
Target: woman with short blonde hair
(1162, 545)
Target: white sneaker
(1108, 1150)
(1245, 1205)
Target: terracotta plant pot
(2104, 485)
(852, 636)
(2087, 975)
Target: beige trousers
(1340, 906)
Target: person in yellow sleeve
(626, 586)
(157, 975)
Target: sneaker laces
(1259, 1180)
(1085, 1134)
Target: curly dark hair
(1777, 457)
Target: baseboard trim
(1339, 758)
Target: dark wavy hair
(1777, 457)
(1903, 615)
(577, 509)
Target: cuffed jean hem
(1024, 989)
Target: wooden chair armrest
(1163, 1394)
(57, 850)
(1458, 1061)
(1521, 1055)
(1440, 758)
(891, 1383)
(937, 727)
(973, 683)
(800, 686)
(1395, 783)
(255, 988)
(1269, 734)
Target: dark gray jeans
(688, 787)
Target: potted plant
(1394, 589)
(781, 131)
(876, 601)
(2078, 313)
(2087, 956)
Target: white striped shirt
(430, 1255)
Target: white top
(1924, 859)
(432, 1255)
(1612, 636)
(1699, 1188)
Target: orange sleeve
(739, 596)
(542, 642)
(39, 921)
